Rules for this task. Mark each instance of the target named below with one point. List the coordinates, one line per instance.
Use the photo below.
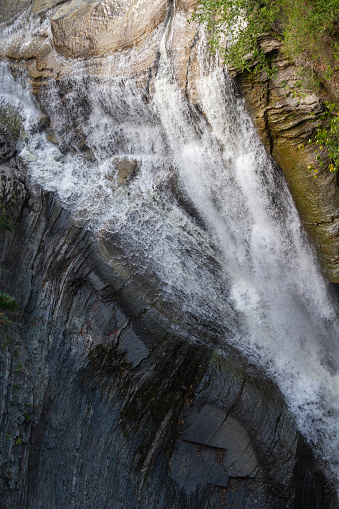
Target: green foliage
(307, 28)
(327, 139)
(9, 303)
(4, 320)
(233, 27)
(7, 343)
(6, 222)
(310, 33)
(19, 368)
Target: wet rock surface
(107, 38)
(110, 396)
(287, 116)
(103, 405)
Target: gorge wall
(103, 405)
(287, 116)
(129, 376)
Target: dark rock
(103, 405)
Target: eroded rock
(287, 117)
(117, 410)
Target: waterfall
(195, 201)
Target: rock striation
(287, 117)
(107, 401)
(104, 406)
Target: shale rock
(287, 117)
(110, 399)
(105, 406)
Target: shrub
(308, 29)
(8, 302)
(328, 138)
(233, 28)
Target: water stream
(233, 256)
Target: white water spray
(249, 271)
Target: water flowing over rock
(287, 117)
(176, 344)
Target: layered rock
(287, 116)
(103, 405)
(107, 400)
(121, 41)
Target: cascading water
(241, 266)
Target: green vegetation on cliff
(309, 33)
(7, 302)
(328, 138)
(308, 28)
(234, 26)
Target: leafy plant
(310, 34)
(4, 320)
(6, 221)
(234, 27)
(306, 27)
(19, 368)
(8, 302)
(328, 138)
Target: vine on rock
(328, 138)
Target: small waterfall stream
(240, 263)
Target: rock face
(122, 39)
(103, 406)
(286, 117)
(122, 43)
(82, 29)
(107, 402)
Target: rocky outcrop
(287, 117)
(82, 29)
(103, 405)
(110, 396)
(122, 39)
(121, 42)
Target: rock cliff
(112, 396)
(287, 116)
(103, 405)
